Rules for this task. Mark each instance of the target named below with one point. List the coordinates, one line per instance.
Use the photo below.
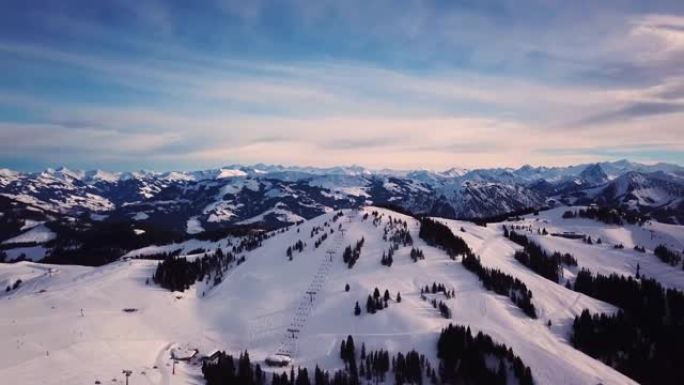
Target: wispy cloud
(431, 85)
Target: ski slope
(50, 341)
(604, 258)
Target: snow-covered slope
(37, 234)
(604, 258)
(69, 321)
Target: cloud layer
(424, 85)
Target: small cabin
(212, 358)
(569, 235)
(278, 360)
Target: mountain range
(182, 203)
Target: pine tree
(357, 309)
(501, 374)
(370, 305)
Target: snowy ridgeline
(106, 319)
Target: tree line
(416, 254)
(351, 255)
(668, 256)
(536, 259)
(375, 302)
(607, 215)
(502, 283)
(297, 246)
(464, 359)
(439, 235)
(178, 274)
(644, 339)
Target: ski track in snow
(161, 365)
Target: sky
(162, 85)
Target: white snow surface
(48, 340)
(38, 234)
(30, 223)
(193, 226)
(140, 216)
(280, 211)
(32, 253)
(604, 258)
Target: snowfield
(37, 234)
(68, 324)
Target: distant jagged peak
(593, 174)
(101, 175)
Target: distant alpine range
(177, 204)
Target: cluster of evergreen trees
(417, 254)
(178, 274)
(409, 369)
(317, 229)
(540, 263)
(376, 365)
(502, 283)
(250, 242)
(645, 339)
(377, 218)
(320, 240)
(14, 286)
(298, 247)
(228, 371)
(340, 377)
(536, 259)
(351, 255)
(440, 306)
(465, 359)
(587, 239)
(159, 256)
(437, 234)
(348, 351)
(443, 309)
(301, 378)
(666, 255)
(375, 302)
(337, 216)
(515, 237)
(437, 288)
(607, 215)
(396, 232)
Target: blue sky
(403, 84)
